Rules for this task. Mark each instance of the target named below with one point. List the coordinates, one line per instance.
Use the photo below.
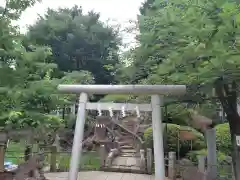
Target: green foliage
(14, 8)
(116, 98)
(172, 139)
(90, 160)
(196, 54)
(78, 42)
(36, 95)
(193, 156)
(223, 138)
(148, 137)
(29, 78)
(178, 114)
(195, 43)
(178, 47)
(15, 151)
(224, 162)
(146, 6)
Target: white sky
(121, 11)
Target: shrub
(116, 98)
(223, 138)
(224, 162)
(222, 158)
(172, 139)
(148, 138)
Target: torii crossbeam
(156, 92)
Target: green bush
(171, 137)
(121, 98)
(148, 138)
(223, 138)
(224, 162)
(222, 158)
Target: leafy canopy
(78, 42)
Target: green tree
(78, 42)
(36, 92)
(9, 51)
(29, 79)
(146, 55)
(146, 6)
(199, 43)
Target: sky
(119, 11)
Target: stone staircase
(127, 161)
(125, 153)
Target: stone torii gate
(156, 91)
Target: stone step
(128, 155)
(126, 147)
(124, 143)
(123, 151)
(124, 169)
(128, 151)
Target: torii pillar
(156, 92)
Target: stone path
(93, 175)
(127, 162)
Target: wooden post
(212, 153)
(172, 165)
(53, 161)
(149, 160)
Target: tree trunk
(234, 123)
(227, 94)
(63, 111)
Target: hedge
(223, 138)
(222, 157)
(224, 163)
(172, 139)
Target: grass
(15, 153)
(89, 160)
